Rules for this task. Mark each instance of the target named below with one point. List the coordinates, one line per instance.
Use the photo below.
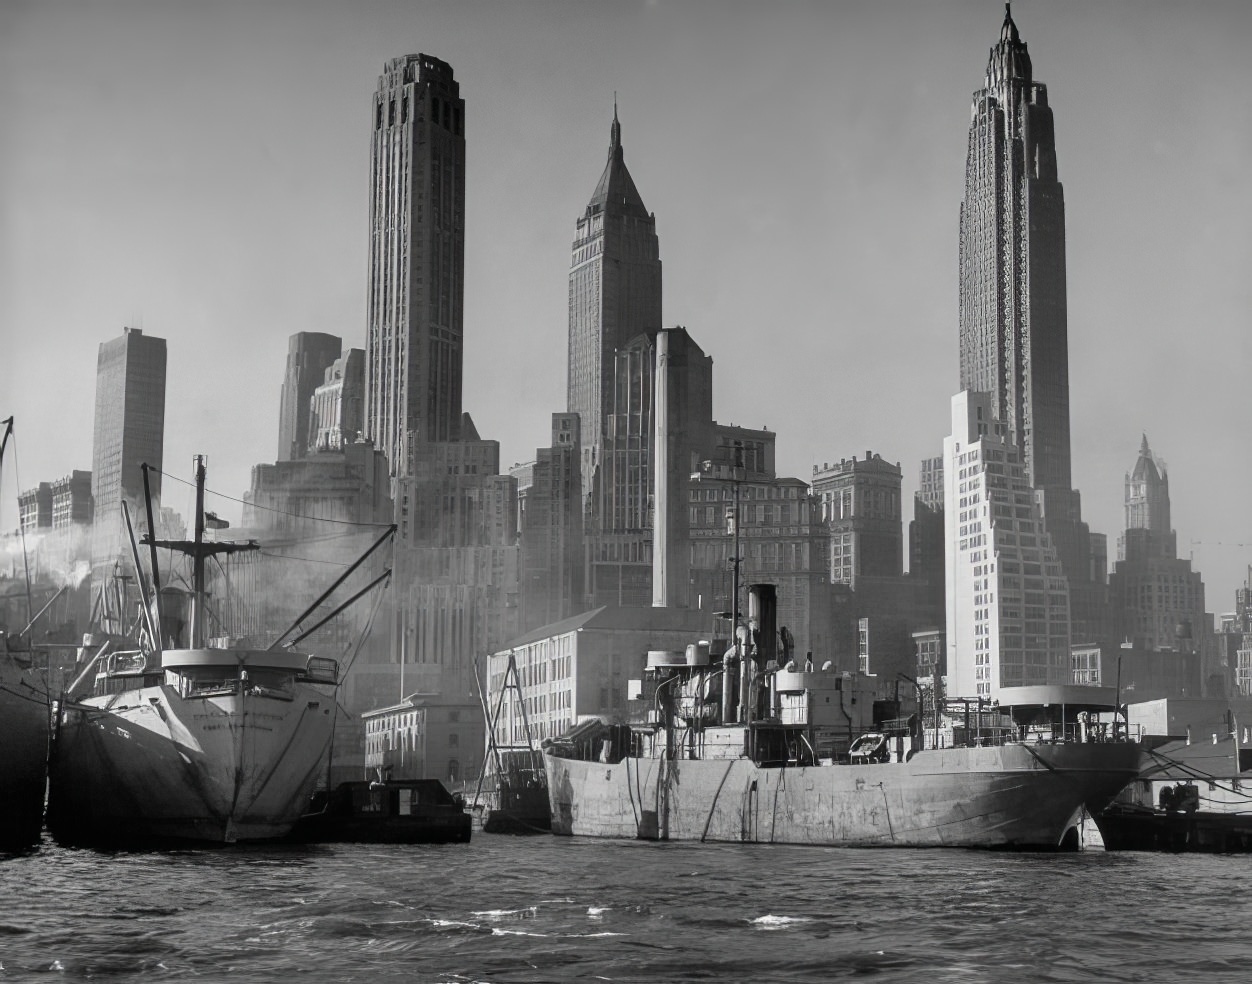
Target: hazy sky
(200, 170)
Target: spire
(1009, 59)
(615, 134)
(616, 189)
(1146, 468)
(1008, 31)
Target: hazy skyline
(201, 171)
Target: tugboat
(385, 811)
(213, 743)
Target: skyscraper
(129, 432)
(1007, 601)
(1157, 599)
(614, 296)
(1014, 342)
(309, 355)
(417, 258)
(861, 507)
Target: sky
(200, 170)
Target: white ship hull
(148, 765)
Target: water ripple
(503, 910)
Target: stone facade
(860, 502)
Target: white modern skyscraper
(1007, 600)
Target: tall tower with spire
(414, 344)
(1157, 600)
(1013, 331)
(1148, 531)
(1014, 335)
(614, 295)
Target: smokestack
(660, 473)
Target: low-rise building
(579, 668)
(425, 736)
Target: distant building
(926, 549)
(1234, 646)
(1138, 674)
(1014, 335)
(930, 482)
(550, 526)
(1007, 600)
(129, 432)
(414, 337)
(337, 407)
(931, 658)
(457, 563)
(309, 355)
(71, 500)
(34, 508)
(1157, 600)
(614, 297)
(579, 668)
(619, 526)
(860, 502)
(425, 736)
(302, 496)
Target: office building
(614, 296)
(1156, 599)
(309, 355)
(1007, 600)
(414, 340)
(337, 407)
(860, 502)
(129, 432)
(550, 527)
(1014, 342)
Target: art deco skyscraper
(1014, 342)
(417, 258)
(614, 295)
(1013, 329)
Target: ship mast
(199, 550)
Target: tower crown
(1009, 59)
(616, 190)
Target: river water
(570, 909)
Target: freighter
(728, 755)
(205, 743)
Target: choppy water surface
(557, 909)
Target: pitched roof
(616, 189)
